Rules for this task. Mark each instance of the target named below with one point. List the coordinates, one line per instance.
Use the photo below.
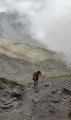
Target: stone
(10, 101)
(35, 100)
(55, 101)
(52, 111)
(66, 91)
(6, 106)
(16, 93)
(46, 85)
(16, 104)
(54, 91)
(59, 92)
(2, 87)
(3, 99)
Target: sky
(50, 21)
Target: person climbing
(36, 77)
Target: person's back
(36, 77)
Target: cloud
(52, 25)
(20, 5)
(50, 21)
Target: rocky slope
(20, 55)
(50, 101)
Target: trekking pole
(42, 81)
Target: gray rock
(66, 91)
(16, 104)
(54, 91)
(35, 100)
(2, 87)
(10, 101)
(16, 93)
(59, 92)
(55, 101)
(52, 111)
(6, 106)
(3, 99)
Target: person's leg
(35, 83)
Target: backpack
(34, 74)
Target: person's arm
(42, 75)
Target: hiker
(36, 77)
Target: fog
(50, 21)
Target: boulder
(16, 93)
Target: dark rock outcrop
(11, 93)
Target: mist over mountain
(11, 28)
(47, 21)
